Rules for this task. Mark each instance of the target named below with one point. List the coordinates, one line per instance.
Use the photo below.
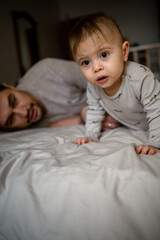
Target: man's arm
(67, 122)
(108, 123)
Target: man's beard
(42, 114)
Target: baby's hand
(83, 140)
(144, 149)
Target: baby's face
(102, 62)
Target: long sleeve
(60, 85)
(150, 99)
(95, 115)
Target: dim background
(138, 20)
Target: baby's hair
(93, 24)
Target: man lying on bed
(52, 93)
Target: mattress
(53, 189)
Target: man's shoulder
(52, 70)
(43, 66)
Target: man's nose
(22, 112)
(97, 66)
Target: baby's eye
(104, 54)
(85, 63)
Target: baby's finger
(78, 141)
(83, 140)
(145, 149)
(151, 151)
(139, 149)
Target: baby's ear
(125, 49)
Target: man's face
(19, 109)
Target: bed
(52, 189)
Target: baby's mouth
(102, 79)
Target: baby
(128, 91)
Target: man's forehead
(7, 91)
(3, 105)
(3, 96)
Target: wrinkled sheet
(52, 189)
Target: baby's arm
(145, 149)
(107, 124)
(149, 96)
(94, 117)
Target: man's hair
(2, 87)
(93, 24)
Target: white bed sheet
(52, 189)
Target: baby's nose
(97, 66)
